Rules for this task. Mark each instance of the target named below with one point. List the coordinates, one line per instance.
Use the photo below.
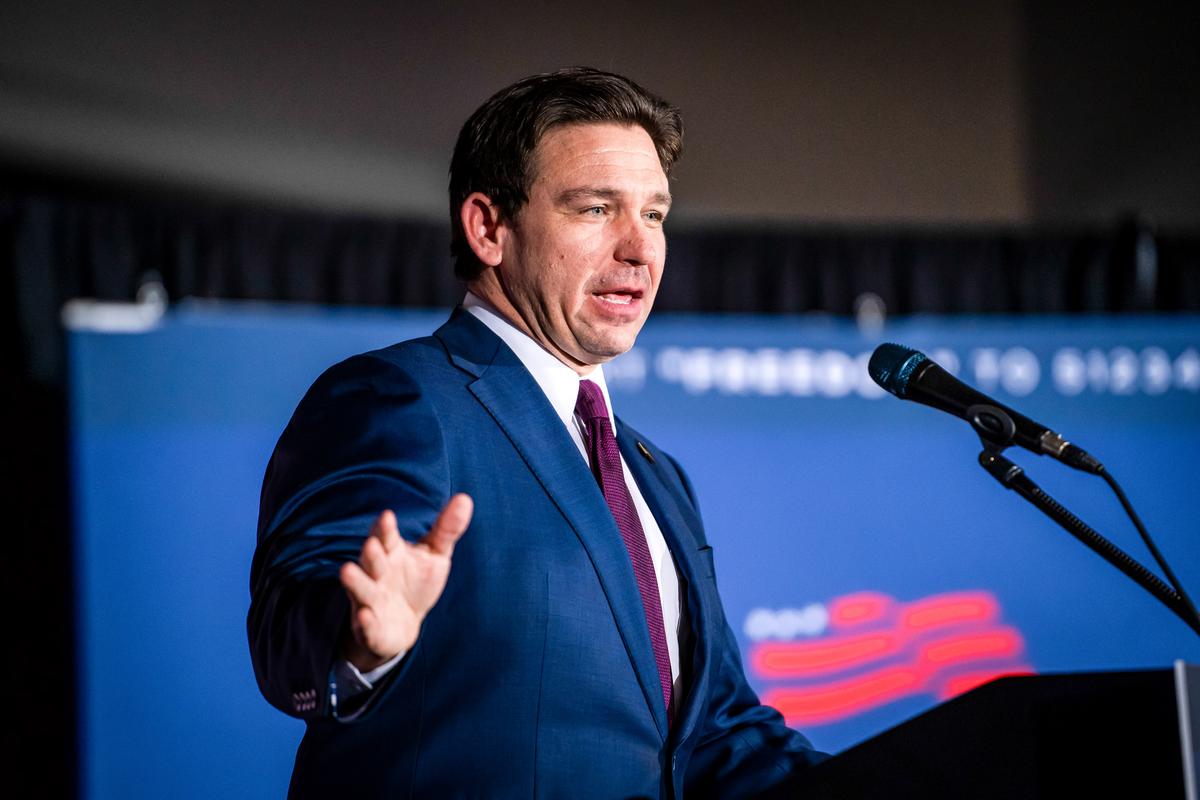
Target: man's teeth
(623, 299)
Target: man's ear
(483, 228)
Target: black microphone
(911, 375)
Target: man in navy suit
(456, 585)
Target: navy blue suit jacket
(533, 675)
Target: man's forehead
(594, 147)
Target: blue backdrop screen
(869, 567)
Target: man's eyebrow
(569, 196)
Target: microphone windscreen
(892, 366)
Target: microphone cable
(1184, 599)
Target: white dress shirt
(560, 384)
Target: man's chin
(599, 350)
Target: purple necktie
(606, 464)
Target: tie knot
(590, 404)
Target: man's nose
(638, 243)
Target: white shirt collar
(558, 381)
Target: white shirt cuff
(357, 681)
(349, 682)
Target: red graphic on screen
(878, 650)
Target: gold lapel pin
(642, 449)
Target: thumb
(450, 525)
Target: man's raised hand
(396, 582)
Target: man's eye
(656, 216)
(595, 211)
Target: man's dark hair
(494, 152)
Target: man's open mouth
(620, 296)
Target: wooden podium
(1085, 735)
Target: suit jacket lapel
(521, 410)
(677, 523)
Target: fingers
(373, 559)
(358, 584)
(394, 583)
(450, 525)
(365, 620)
(386, 531)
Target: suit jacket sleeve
(365, 438)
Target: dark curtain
(60, 242)
(61, 245)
